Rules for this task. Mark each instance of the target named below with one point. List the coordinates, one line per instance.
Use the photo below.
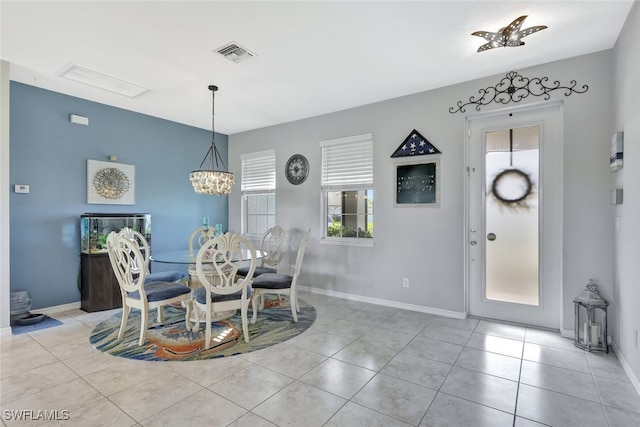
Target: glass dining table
(186, 257)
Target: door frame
(527, 108)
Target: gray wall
(627, 240)
(50, 154)
(427, 244)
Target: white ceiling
(312, 57)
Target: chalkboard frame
(417, 196)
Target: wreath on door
(512, 187)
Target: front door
(514, 216)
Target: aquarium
(94, 228)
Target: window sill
(366, 243)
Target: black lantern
(591, 320)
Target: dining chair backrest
(126, 258)
(280, 284)
(272, 246)
(199, 237)
(227, 253)
(143, 244)
(140, 241)
(301, 251)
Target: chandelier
(212, 181)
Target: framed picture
(418, 183)
(110, 183)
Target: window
(347, 189)
(258, 192)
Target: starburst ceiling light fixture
(212, 181)
(509, 36)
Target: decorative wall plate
(110, 183)
(297, 169)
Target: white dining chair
(198, 237)
(161, 276)
(126, 258)
(224, 290)
(280, 284)
(272, 251)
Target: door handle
(491, 237)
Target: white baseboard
(387, 303)
(625, 366)
(58, 308)
(5, 331)
(567, 333)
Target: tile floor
(358, 365)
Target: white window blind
(259, 172)
(347, 162)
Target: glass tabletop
(185, 257)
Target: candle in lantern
(595, 334)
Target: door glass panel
(511, 215)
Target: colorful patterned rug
(171, 341)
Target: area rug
(171, 341)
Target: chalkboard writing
(417, 183)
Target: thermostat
(21, 188)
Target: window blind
(259, 171)
(347, 163)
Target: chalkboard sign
(418, 184)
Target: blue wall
(49, 153)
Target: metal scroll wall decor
(515, 87)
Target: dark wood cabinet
(99, 289)
(99, 286)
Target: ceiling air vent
(234, 52)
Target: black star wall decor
(415, 145)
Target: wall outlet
(405, 282)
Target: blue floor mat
(47, 322)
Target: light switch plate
(616, 196)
